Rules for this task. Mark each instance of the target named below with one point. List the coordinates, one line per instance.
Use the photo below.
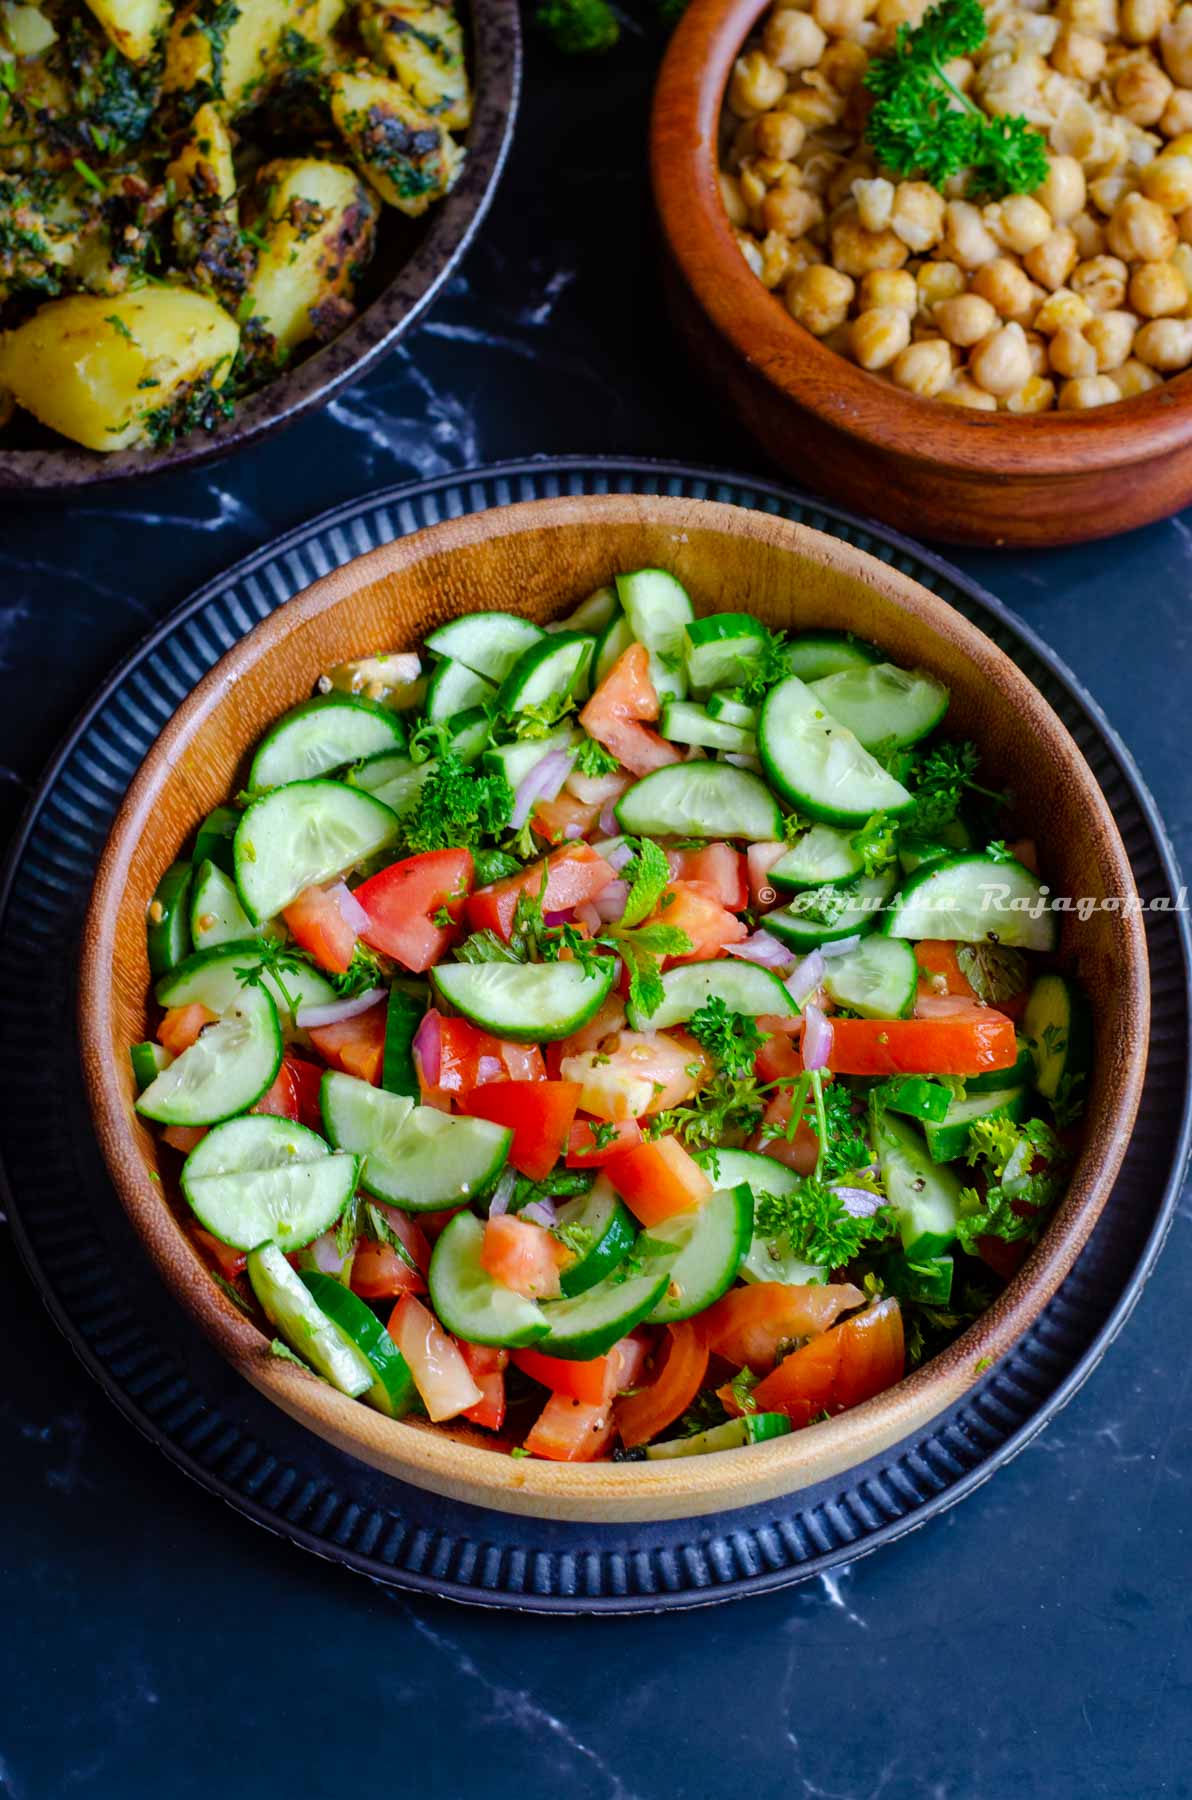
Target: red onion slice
(560, 918)
(336, 1011)
(805, 977)
(762, 948)
(489, 1068)
(620, 854)
(573, 831)
(608, 819)
(325, 1255)
(351, 911)
(841, 946)
(542, 783)
(542, 1212)
(610, 902)
(859, 1201)
(587, 915)
(502, 1195)
(817, 1036)
(428, 1047)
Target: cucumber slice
(515, 761)
(393, 779)
(766, 1259)
(814, 654)
(826, 915)
(611, 1231)
(148, 1060)
(818, 765)
(405, 1013)
(733, 711)
(611, 643)
(683, 722)
(973, 900)
(592, 1322)
(734, 1434)
(263, 1178)
(591, 615)
(949, 1138)
(744, 987)
(216, 915)
(919, 1097)
(214, 838)
(551, 670)
(712, 1242)
(469, 732)
(929, 1281)
(659, 612)
(392, 1392)
(1023, 1071)
(303, 834)
(488, 643)
(227, 1068)
(883, 704)
(210, 977)
(823, 857)
(415, 1157)
(700, 799)
(723, 649)
(469, 1302)
(320, 735)
(167, 926)
(533, 1003)
(879, 979)
(1058, 1025)
(925, 1195)
(306, 1328)
(453, 688)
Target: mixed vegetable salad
(633, 1038)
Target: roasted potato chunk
(235, 52)
(422, 46)
(134, 26)
(410, 158)
(317, 221)
(207, 237)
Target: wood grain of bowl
(540, 558)
(926, 467)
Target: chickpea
(1179, 146)
(857, 251)
(1175, 47)
(776, 259)
(1165, 344)
(1177, 114)
(1157, 290)
(1036, 395)
(966, 240)
(733, 201)
(1140, 21)
(917, 215)
(1181, 259)
(891, 14)
(792, 40)
(1036, 345)
(1089, 234)
(875, 202)
(839, 188)
(938, 281)
(966, 319)
(1001, 362)
(1005, 285)
(1063, 308)
(791, 210)
(1168, 182)
(1051, 262)
(779, 135)
(1097, 17)
(744, 143)
(1019, 223)
(1078, 55)
(1108, 190)
(816, 108)
(923, 368)
(876, 337)
(960, 72)
(890, 287)
(1062, 193)
(843, 65)
(838, 18)
(1086, 391)
(960, 391)
(751, 250)
(1112, 336)
(1134, 378)
(1070, 353)
(819, 298)
(1101, 282)
(756, 84)
(1141, 92)
(1184, 225)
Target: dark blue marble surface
(1034, 1642)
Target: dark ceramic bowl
(414, 258)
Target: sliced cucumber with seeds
(515, 761)
(924, 1195)
(823, 857)
(215, 837)
(592, 1322)
(879, 979)
(469, 1302)
(321, 735)
(744, 987)
(818, 764)
(591, 615)
(611, 643)
(608, 1226)
(489, 643)
(393, 779)
(392, 1392)
(148, 1060)
(216, 915)
(228, 1067)
(453, 688)
(766, 1259)
(734, 1434)
(266, 1178)
(659, 612)
(683, 722)
(551, 670)
(949, 1138)
(167, 928)
(700, 799)
(973, 900)
(210, 977)
(723, 649)
(883, 704)
(303, 834)
(532, 1003)
(733, 711)
(1058, 1025)
(311, 1334)
(711, 1242)
(828, 915)
(414, 1156)
(814, 654)
(468, 734)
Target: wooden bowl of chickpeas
(983, 366)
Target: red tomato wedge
(306, 1078)
(183, 1137)
(282, 1099)
(470, 1058)
(523, 1256)
(181, 1026)
(379, 1272)
(613, 715)
(583, 1150)
(800, 1153)
(643, 1415)
(716, 866)
(749, 1324)
(357, 1046)
(594, 1381)
(563, 818)
(658, 1179)
(487, 1369)
(401, 903)
(567, 878)
(316, 923)
(440, 1373)
(229, 1262)
(693, 907)
(570, 1431)
(847, 1365)
(539, 1113)
(963, 1043)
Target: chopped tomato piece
(643, 1415)
(716, 866)
(644, 1072)
(487, 1369)
(847, 1365)
(965, 1043)
(940, 971)
(567, 878)
(800, 1153)
(181, 1026)
(402, 903)
(470, 1058)
(282, 1099)
(440, 1373)
(693, 907)
(570, 1431)
(613, 715)
(523, 1256)
(317, 923)
(658, 1179)
(306, 1079)
(606, 1021)
(779, 1057)
(229, 1262)
(564, 818)
(379, 1272)
(539, 1113)
(593, 1381)
(749, 1324)
(592, 1142)
(357, 1046)
(183, 1137)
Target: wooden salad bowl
(938, 470)
(541, 558)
